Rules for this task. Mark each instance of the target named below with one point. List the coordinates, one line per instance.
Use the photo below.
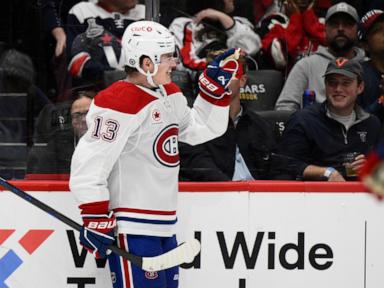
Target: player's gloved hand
(213, 82)
(372, 173)
(96, 235)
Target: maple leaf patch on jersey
(165, 147)
(156, 115)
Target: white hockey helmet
(145, 38)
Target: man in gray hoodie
(341, 26)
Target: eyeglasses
(78, 116)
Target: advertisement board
(278, 240)
(249, 239)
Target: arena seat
(262, 89)
(13, 134)
(19, 99)
(277, 119)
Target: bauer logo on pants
(165, 147)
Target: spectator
(329, 140)
(54, 24)
(241, 153)
(263, 8)
(211, 28)
(100, 26)
(59, 128)
(79, 110)
(341, 35)
(95, 53)
(53, 13)
(372, 99)
(292, 39)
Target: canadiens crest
(151, 275)
(165, 147)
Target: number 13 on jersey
(105, 129)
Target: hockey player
(125, 168)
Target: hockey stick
(184, 253)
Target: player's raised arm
(209, 116)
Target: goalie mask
(146, 38)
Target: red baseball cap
(369, 19)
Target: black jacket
(215, 160)
(54, 141)
(372, 91)
(313, 138)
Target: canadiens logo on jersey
(165, 147)
(151, 275)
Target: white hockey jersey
(129, 155)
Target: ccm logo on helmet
(165, 147)
(141, 29)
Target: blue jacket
(311, 137)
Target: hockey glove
(96, 235)
(213, 82)
(372, 173)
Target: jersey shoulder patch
(123, 97)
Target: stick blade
(184, 253)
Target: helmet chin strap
(150, 79)
(149, 75)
